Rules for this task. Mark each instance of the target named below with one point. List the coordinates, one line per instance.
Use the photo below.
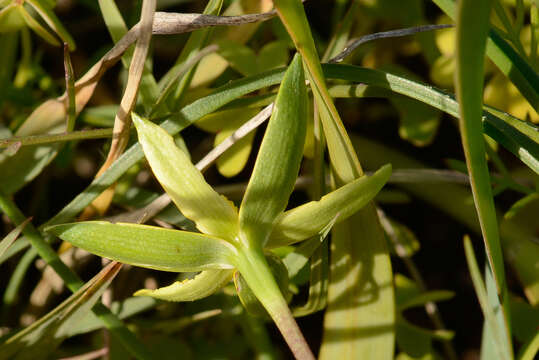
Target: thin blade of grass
(70, 90)
(484, 302)
(472, 30)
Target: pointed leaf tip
(307, 220)
(148, 246)
(278, 161)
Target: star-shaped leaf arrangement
(230, 240)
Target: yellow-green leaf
(278, 160)
(148, 246)
(212, 213)
(307, 220)
(202, 285)
(11, 18)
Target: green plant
(339, 253)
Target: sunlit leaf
(278, 160)
(213, 214)
(148, 246)
(50, 18)
(306, 220)
(202, 285)
(11, 18)
(472, 31)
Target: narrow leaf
(212, 213)
(278, 160)
(148, 246)
(472, 30)
(307, 220)
(481, 292)
(8, 240)
(202, 285)
(43, 9)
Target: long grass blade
(472, 31)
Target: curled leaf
(202, 285)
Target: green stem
(255, 270)
(73, 282)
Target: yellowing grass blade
(212, 213)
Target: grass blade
(484, 302)
(472, 30)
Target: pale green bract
(230, 240)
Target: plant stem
(255, 270)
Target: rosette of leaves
(230, 240)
